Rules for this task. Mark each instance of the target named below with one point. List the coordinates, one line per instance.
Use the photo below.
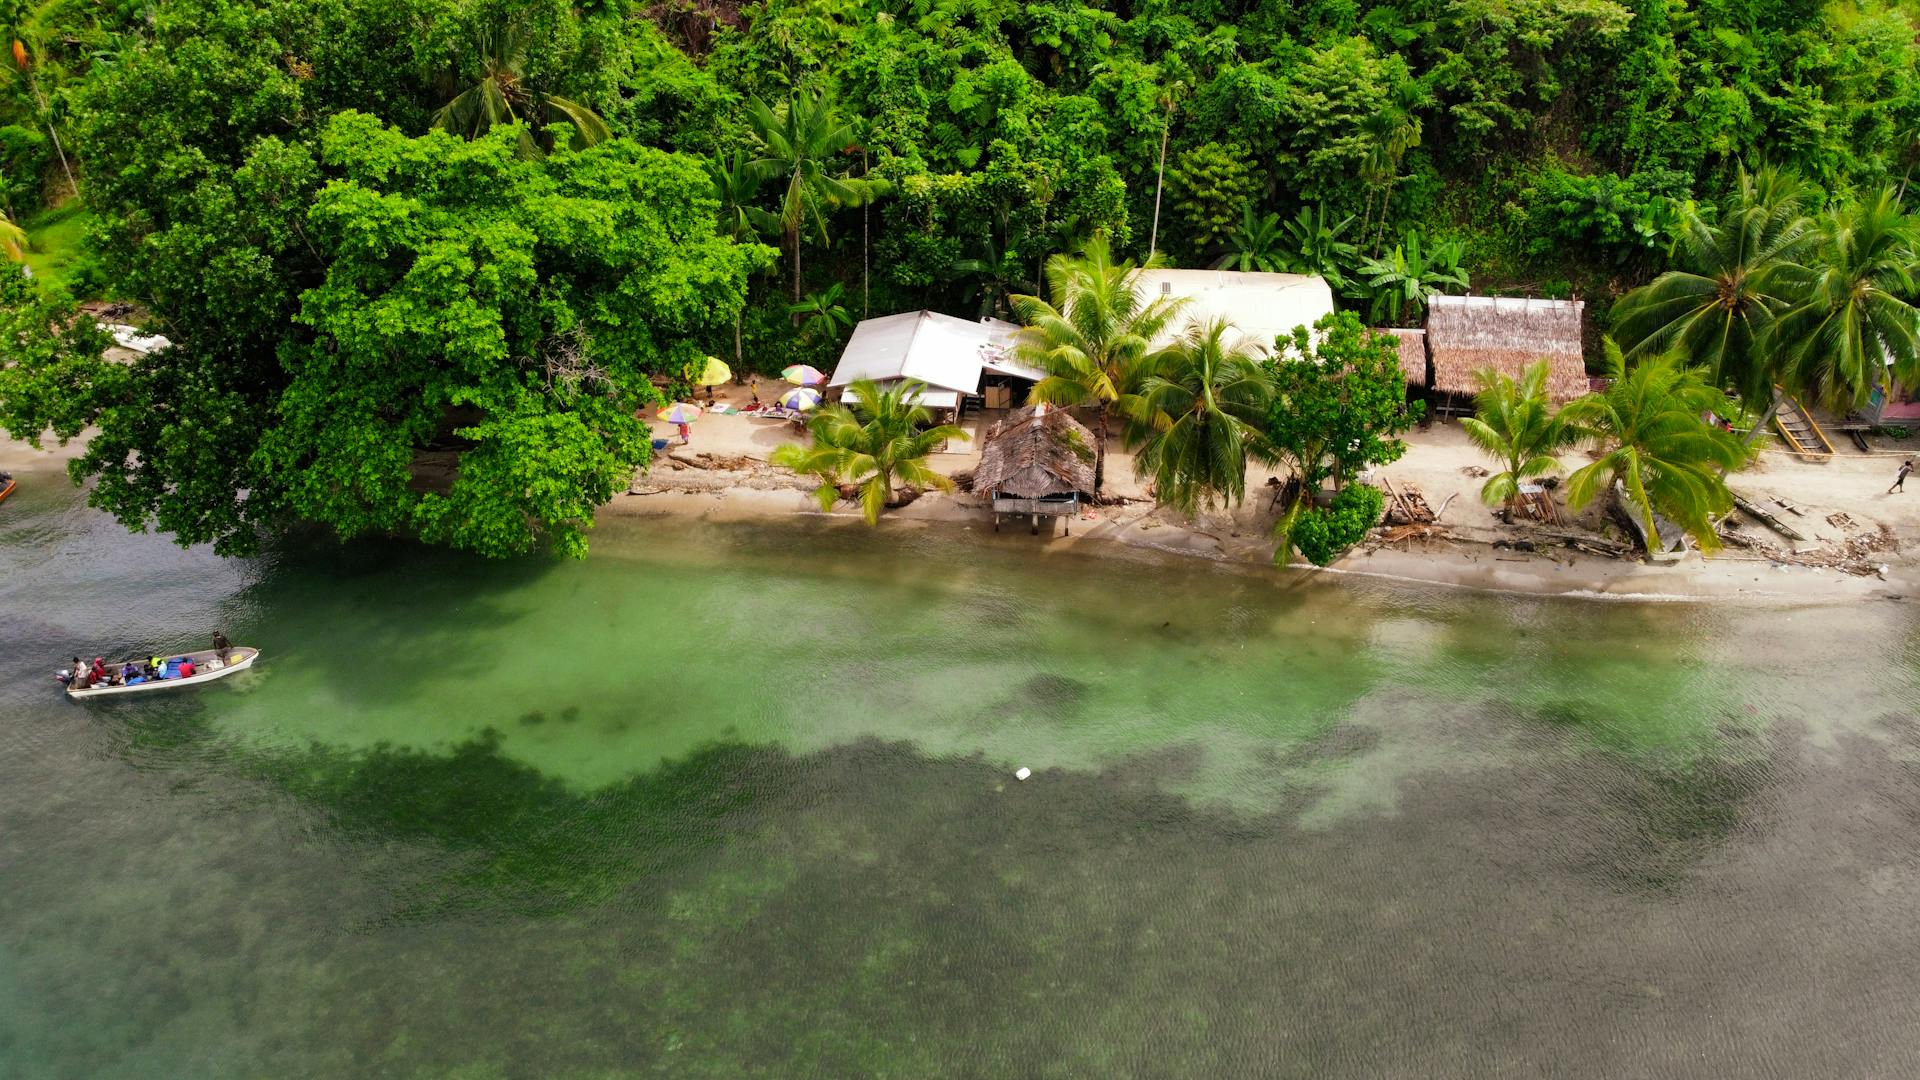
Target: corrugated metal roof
(1261, 307)
(936, 349)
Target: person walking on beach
(686, 433)
(1900, 478)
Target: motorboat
(206, 668)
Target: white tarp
(1261, 307)
(129, 338)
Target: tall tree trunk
(794, 237)
(1100, 452)
(738, 352)
(865, 208)
(1153, 241)
(1760, 424)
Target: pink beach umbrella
(803, 375)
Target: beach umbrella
(680, 412)
(800, 400)
(803, 375)
(715, 373)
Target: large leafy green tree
(1514, 424)
(1339, 400)
(1649, 429)
(50, 365)
(502, 311)
(1203, 400)
(1736, 272)
(884, 436)
(1851, 323)
(1092, 338)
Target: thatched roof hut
(1413, 354)
(1506, 333)
(1034, 453)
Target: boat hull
(242, 658)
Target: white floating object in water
(1022, 773)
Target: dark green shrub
(1322, 535)
(24, 156)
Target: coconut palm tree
(1091, 340)
(799, 141)
(13, 240)
(884, 437)
(999, 272)
(500, 95)
(1737, 271)
(1648, 425)
(736, 181)
(1850, 324)
(1514, 424)
(1201, 405)
(1258, 244)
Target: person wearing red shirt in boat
(98, 675)
(186, 667)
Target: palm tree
(1737, 271)
(1851, 326)
(1000, 273)
(823, 311)
(500, 95)
(1092, 339)
(1258, 244)
(882, 438)
(735, 183)
(799, 142)
(13, 240)
(1407, 277)
(1513, 424)
(1201, 405)
(1391, 132)
(1656, 444)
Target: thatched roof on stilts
(1035, 452)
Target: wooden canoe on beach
(239, 658)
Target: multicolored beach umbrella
(801, 399)
(681, 412)
(803, 375)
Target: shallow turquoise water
(736, 800)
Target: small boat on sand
(206, 668)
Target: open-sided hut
(1506, 333)
(1038, 462)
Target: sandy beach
(1852, 547)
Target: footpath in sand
(1851, 529)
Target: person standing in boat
(221, 646)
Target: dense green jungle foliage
(380, 230)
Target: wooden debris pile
(1405, 505)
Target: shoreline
(747, 490)
(1452, 564)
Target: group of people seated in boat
(85, 676)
